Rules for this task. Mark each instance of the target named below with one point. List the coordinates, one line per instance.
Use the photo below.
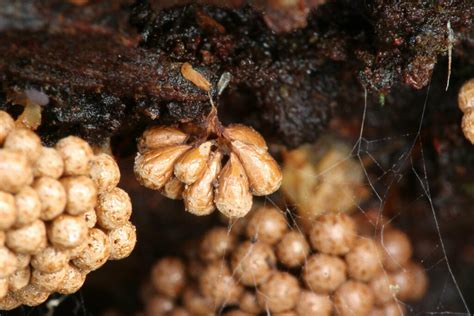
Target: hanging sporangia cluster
(208, 165)
(263, 266)
(61, 215)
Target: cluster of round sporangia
(320, 178)
(265, 267)
(223, 172)
(61, 215)
(466, 105)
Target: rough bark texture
(288, 80)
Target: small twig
(212, 120)
(450, 51)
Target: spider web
(422, 177)
(442, 291)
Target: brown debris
(195, 77)
(206, 22)
(286, 16)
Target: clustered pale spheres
(171, 161)
(61, 215)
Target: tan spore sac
(47, 281)
(90, 217)
(96, 252)
(79, 249)
(245, 134)
(467, 125)
(28, 206)
(333, 233)
(168, 276)
(411, 282)
(29, 239)
(393, 308)
(173, 189)
(49, 164)
(8, 211)
(196, 268)
(396, 249)
(293, 249)
(189, 167)
(267, 224)
(9, 302)
(122, 241)
(312, 304)
(52, 196)
(216, 282)
(31, 295)
(364, 261)
(324, 273)
(384, 288)
(319, 178)
(81, 194)
(3, 287)
(105, 172)
(280, 293)
(353, 298)
(76, 154)
(262, 170)
(50, 260)
(159, 305)
(23, 260)
(155, 167)
(72, 281)
(199, 196)
(466, 96)
(232, 195)
(216, 244)
(24, 141)
(179, 311)
(6, 125)
(160, 136)
(249, 303)
(420, 282)
(19, 279)
(15, 171)
(67, 231)
(195, 303)
(466, 105)
(8, 262)
(253, 263)
(113, 209)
